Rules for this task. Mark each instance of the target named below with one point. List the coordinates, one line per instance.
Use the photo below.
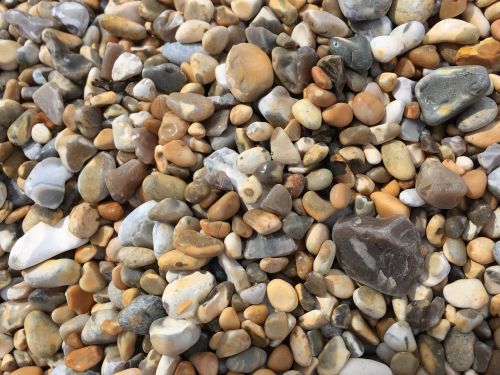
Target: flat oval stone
(445, 92)
(91, 185)
(439, 186)
(381, 253)
(198, 245)
(172, 337)
(479, 114)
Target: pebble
(52, 108)
(249, 72)
(307, 114)
(359, 234)
(459, 349)
(141, 313)
(190, 107)
(471, 81)
(171, 337)
(276, 106)
(443, 192)
(397, 160)
(358, 11)
(466, 293)
(400, 338)
(43, 242)
(42, 334)
(333, 357)
(386, 47)
(448, 31)
(281, 295)
(361, 365)
(478, 115)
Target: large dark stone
(381, 253)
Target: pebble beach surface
(250, 187)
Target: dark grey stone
(261, 37)
(167, 77)
(272, 245)
(355, 52)
(140, 313)
(381, 253)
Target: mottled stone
(382, 253)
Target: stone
(400, 338)
(182, 297)
(137, 229)
(370, 302)
(233, 342)
(83, 221)
(459, 349)
(353, 51)
(466, 293)
(364, 366)
(159, 186)
(197, 244)
(438, 186)
(123, 27)
(74, 16)
(433, 91)
(247, 361)
(285, 66)
(333, 357)
(479, 114)
(8, 60)
(54, 107)
(357, 10)
(141, 313)
(43, 242)
(167, 78)
(485, 136)
(122, 182)
(486, 53)
(53, 273)
(378, 245)
(190, 107)
(47, 192)
(276, 106)
(249, 72)
(42, 334)
(386, 47)
(171, 337)
(91, 183)
(282, 148)
(325, 24)
(273, 245)
(282, 295)
(307, 114)
(84, 358)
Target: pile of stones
(250, 187)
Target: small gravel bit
(250, 187)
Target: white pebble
(126, 66)
(250, 159)
(400, 338)
(436, 268)
(394, 112)
(410, 197)
(40, 133)
(138, 118)
(410, 34)
(220, 76)
(372, 154)
(404, 90)
(386, 47)
(465, 162)
(145, 90)
(475, 16)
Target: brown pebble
(78, 300)
(338, 115)
(340, 196)
(495, 30)
(206, 363)
(280, 359)
(368, 108)
(226, 207)
(28, 370)
(425, 56)
(84, 358)
(476, 181)
(112, 211)
(185, 368)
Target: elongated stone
(272, 245)
(381, 253)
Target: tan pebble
(486, 136)
(424, 56)
(280, 359)
(225, 208)
(368, 108)
(206, 363)
(320, 78)
(339, 284)
(388, 205)
(480, 250)
(28, 370)
(179, 153)
(495, 30)
(112, 211)
(123, 27)
(392, 188)
(228, 319)
(340, 196)
(476, 181)
(111, 327)
(412, 111)
(273, 265)
(338, 115)
(319, 97)
(282, 295)
(405, 68)
(451, 8)
(256, 313)
(217, 229)
(240, 114)
(261, 221)
(317, 207)
(473, 270)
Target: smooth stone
(452, 30)
(178, 53)
(326, 24)
(91, 185)
(49, 99)
(249, 72)
(169, 210)
(400, 337)
(182, 297)
(433, 91)
(379, 244)
(8, 60)
(296, 226)
(247, 361)
(459, 349)
(485, 136)
(137, 229)
(159, 186)
(171, 337)
(43, 242)
(282, 148)
(370, 302)
(411, 130)
(74, 150)
(333, 357)
(190, 107)
(357, 10)
(355, 366)
(439, 186)
(276, 106)
(410, 197)
(386, 47)
(466, 293)
(28, 26)
(353, 51)
(273, 245)
(285, 66)
(478, 115)
(53, 273)
(373, 28)
(140, 313)
(197, 244)
(42, 334)
(261, 37)
(397, 160)
(74, 16)
(47, 192)
(167, 77)
(410, 34)
(10, 110)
